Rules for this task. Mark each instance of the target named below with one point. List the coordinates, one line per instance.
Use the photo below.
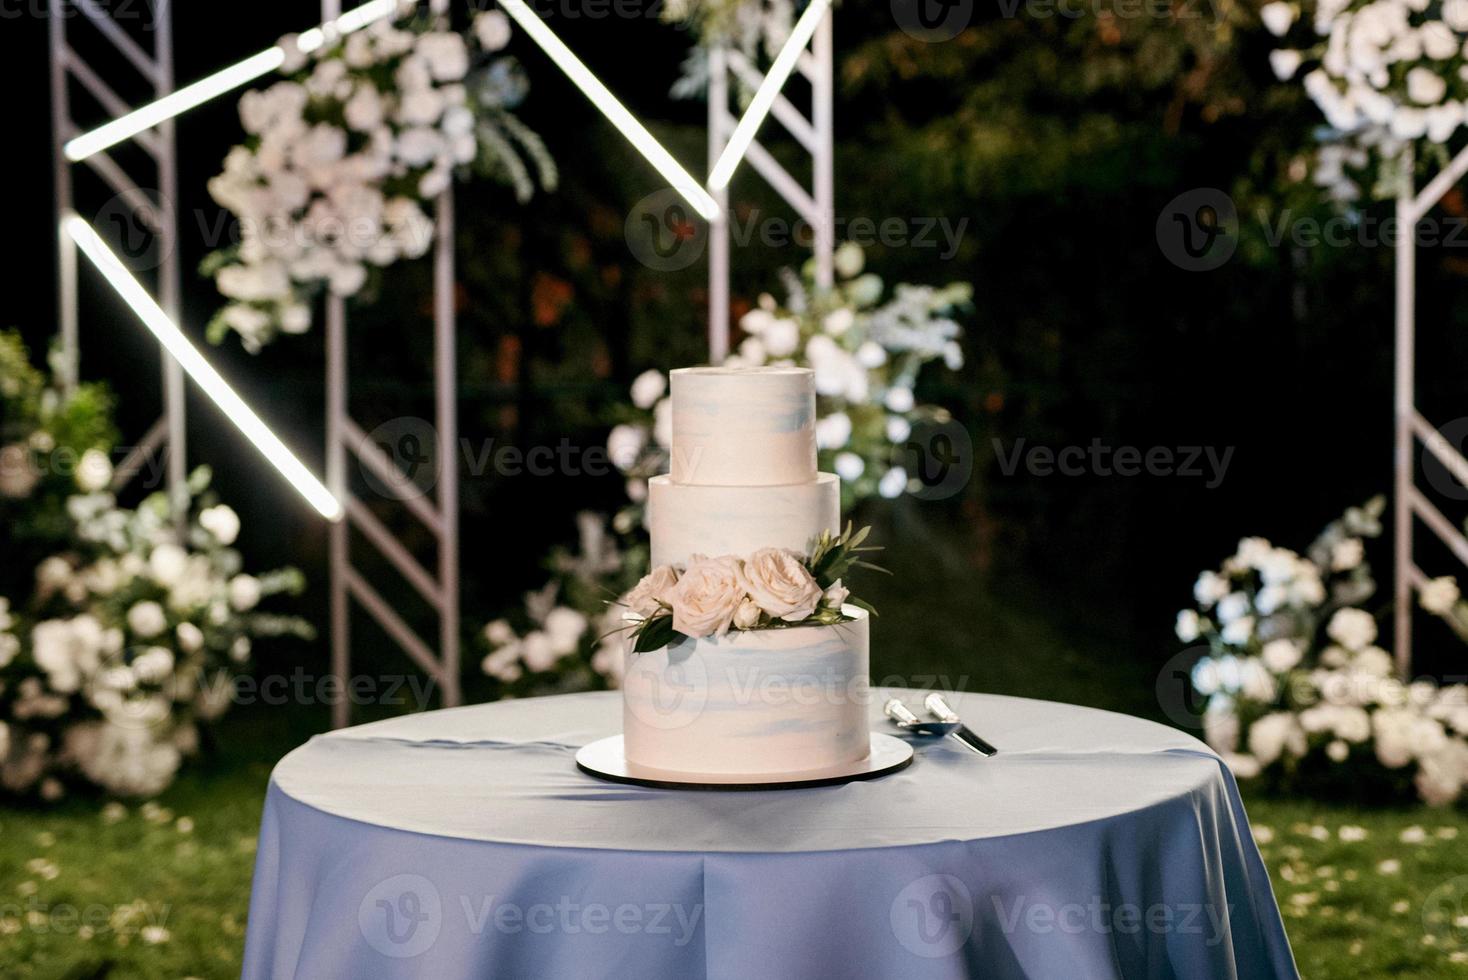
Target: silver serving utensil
(909, 722)
(939, 707)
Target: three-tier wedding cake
(766, 673)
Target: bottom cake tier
(759, 703)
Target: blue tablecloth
(465, 843)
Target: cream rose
(747, 616)
(777, 580)
(707, 595)
(835, 596)
(653, 592)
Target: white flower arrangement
(569, 638)
(866, 355)
(773, 588)
(345, 156)
(135, 638)
(1296, 686)
(1385, 73)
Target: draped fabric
(465, 843)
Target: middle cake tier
(685, 520)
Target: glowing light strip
(215, 85)
(600, 96)
(203, 373)
(764, 96)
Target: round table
(465, 843)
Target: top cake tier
(743, 427)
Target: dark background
(1060, 140)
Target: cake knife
(938, 706)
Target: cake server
(909, 722)
(938, 706)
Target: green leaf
(656, 633)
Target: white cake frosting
(685, 520)
(743, 427)
(759, 703)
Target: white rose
(850, 466)
(446, 54)
(1440, 595)
(1280, 655)
(1337, 751)
(835, 596)
(899, 399)
(537, 651)
(363, 111)
(190, 637)
(564, 626)
(662, 423)
(778, 581)
(706, 596)
(837, 322)
(648, 387)
(1346, 555)
(94, 471)
(1243, 766)
(1438, 41)
(1277, 17)
(244, 592)
(1353, 629)
(1211, 586)
(1257, 682)
(781, 337)
(1285, 63)
(222, 522)
(653, 592)
(492, 30)
(1425, 87)
(747, 615)
(893, 483)
(1274, 735)
(1187, 625)
(1239, 631)
(848, 260)
(167, 564)
(1455, 14)
(1232, 606)
(153, 665)
(499, 632)
(833, 431)
(18, 474)
(147, 619)
(871, 354)
(898, 429)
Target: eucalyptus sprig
(831, 557)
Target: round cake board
(606, 759)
